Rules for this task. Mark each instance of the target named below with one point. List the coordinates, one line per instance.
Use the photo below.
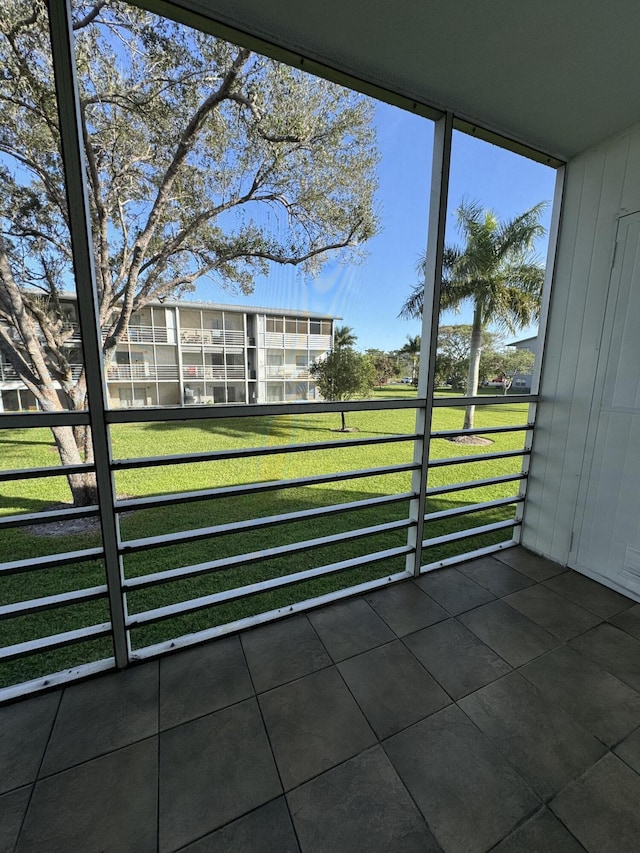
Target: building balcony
(496, 703)
(287, 372)
(212, 337)
(219, 372)
(147, 335)
(8, 373)
(142, 372)
(279, 340)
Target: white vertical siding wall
(602, 184)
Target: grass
(27, 448)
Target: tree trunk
(344, 424)
(84, 489)
(475, 351)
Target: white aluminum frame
(100, 420)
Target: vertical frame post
(66, 84)
(552, 252)
(430, 318)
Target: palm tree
(343, 337)
(412, 349)
(496, 270)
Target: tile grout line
(37, 777)
(271, 749)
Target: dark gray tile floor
(491, 706)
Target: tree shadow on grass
(17, 505)
(25, 441)
(269, 426)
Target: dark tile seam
(390, 627)
(466, 628)
(244, 631)
(561, 569)
(361, 597)
(34, 783)
(229, 822)
(273, 756)
(96, 757)
(517, 772)
(561, 707)
(608, 621)
(592, 661)
(555, 636)
(364, 651)
(380, 745)
(620, 757)
(584, 606)
(524, 820)
(448, 612)
(455, 701)
(404, 728)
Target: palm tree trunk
(475, 351)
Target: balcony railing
(142, 372)
(279, 340)
(229, 371)
(8, 373)
(147, 335)
(212, 337)
(287, 372)
(418, 522)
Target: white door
(606, 539)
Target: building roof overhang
(555, 75)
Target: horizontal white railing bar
(35, 605)
(56, 679)
(49, 471)
(252, 410)
(197, 637)
(255, 488)
(474, 484)
(26, 420)
(250, 452)
(48, 517)
(133, 545)
(183, 607)
(468, 555)
(50, 560)
(448, 433)
(478, 457)
(467, 510)
(239, 560)
(484, 400)
(471, 531)
(56, 641)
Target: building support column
(66, 84)
(429, 340)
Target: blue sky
(369, 296)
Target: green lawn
(26, 448)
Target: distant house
(522, 381)
(526, 343)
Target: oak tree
(203, 160)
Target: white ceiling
(558, 75)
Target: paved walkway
(492, 706)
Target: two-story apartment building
(193, 353)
